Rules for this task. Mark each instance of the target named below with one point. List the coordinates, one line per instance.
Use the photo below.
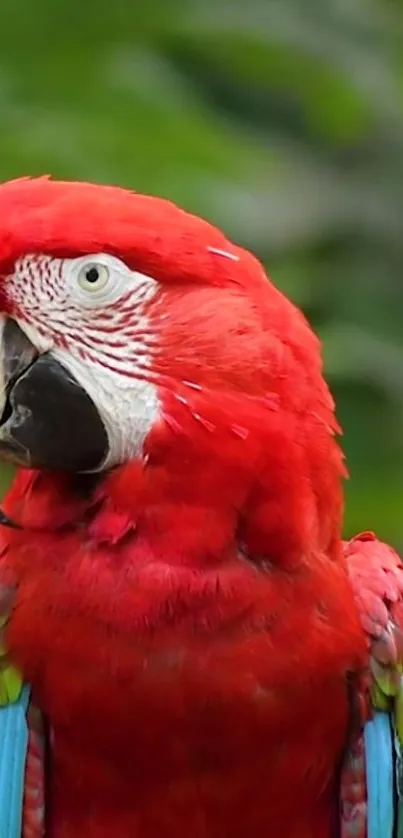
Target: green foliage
(281, 121)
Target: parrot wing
(376, 572)
(22, 745)
(372, 777)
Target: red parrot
(174, 586)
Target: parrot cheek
(48, 420)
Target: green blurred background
(279, 120)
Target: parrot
(204, 653)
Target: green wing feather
(10, 679)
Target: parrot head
(134, 332)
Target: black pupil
(92, 275)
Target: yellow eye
(93, 277)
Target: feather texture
(173, 704)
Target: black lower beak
(48, 420)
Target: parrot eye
(100, 279)
(93, 277)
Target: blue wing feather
(13, 754)
(380, 776)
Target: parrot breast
(180, 701)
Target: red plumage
(180, 700)
(187, 621)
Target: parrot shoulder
(372, 772)
(376, 573)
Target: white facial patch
(91, 313)
(3, 394)
(127, 406)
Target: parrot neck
(190, 509)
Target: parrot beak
(47, 420)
